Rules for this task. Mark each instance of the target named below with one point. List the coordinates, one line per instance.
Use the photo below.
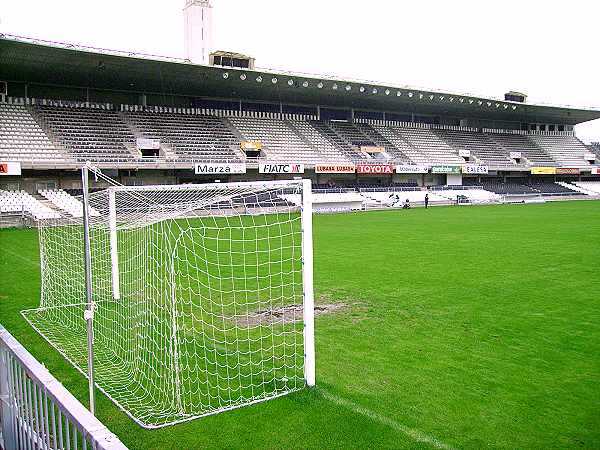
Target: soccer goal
(202, 296)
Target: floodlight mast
(90, 307)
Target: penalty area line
(415, 435)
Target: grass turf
(469, 327)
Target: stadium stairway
(342, 146)
(381, 141)
(48, 204)
(402, 144)
(482, 148)
(576, 188)
(532, 154)
(568, 151)
(166, 149)
(319, 154)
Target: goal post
(114, 252)
(203, 295)
(307, 272)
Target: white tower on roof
(197, 17)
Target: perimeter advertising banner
(280, 168)
(596, 171)
(474, 169)
(543, 170)
(446, 169)
(567, 171)
(335, 168)
(219, 169)
(411, 168)
(10, 168)
(375, 169)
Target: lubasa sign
(10, 168)
(411, 168)
(219, 168)
(280, 168)
(375, 169)
(335, 168)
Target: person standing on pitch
(426, 200)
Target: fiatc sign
(375, 169)
(219, 169)
(280, 168)
(335, 168)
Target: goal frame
(305, 206)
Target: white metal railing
(37, 412)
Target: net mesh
(198, 293)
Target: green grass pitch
(466, 327)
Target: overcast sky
(548, 49)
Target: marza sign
(335, 168)
(10, 168)
(219, 169)
(375, 169)
(280, 168)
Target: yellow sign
(543, 170)
(251, 145)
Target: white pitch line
(415, 435)
(21, 257)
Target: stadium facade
(148, 119)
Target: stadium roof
(48, 63)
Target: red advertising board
(596, 171)
(375, 169)
(567, 171)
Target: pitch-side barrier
(37, 412)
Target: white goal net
(202, 293)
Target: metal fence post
(7, 407)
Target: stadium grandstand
(149, 119)
(194, 236)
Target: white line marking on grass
(21, 257)
(416, 435)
